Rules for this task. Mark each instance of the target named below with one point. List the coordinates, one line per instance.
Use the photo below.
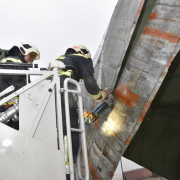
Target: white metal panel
(30, 101)
(22, 158)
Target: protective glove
(104, 95)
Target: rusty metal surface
(110, 55)
(156, 48)
(139, 174)
(151, 58)
(102, 159)
(119, 33)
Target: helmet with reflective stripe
(27, 47)
(79, 48)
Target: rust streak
(139, 9)
(141, 117)
(92, 170)
(169, 62)
(111, 174)
(112, 134)
(94, 103)
(167, 65)
(128, 141)
(123, 94)
(163, 74)
(153, 16)
(158, 33)
(173, 20)
(97, 122)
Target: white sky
(54, 25)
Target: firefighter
(79, 58)
(25, 52)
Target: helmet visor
(33, 55)
(84, 51)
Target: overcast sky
(54, 25)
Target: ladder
(81, 130)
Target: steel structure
(136, 79)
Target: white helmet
(79, 48)
(27, 47)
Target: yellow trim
(11, 59)
(8, 103)
(67, 153)
(12, 101)
(97, 96)
(61, 57)
(78, 55)
(67, 73)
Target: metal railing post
(80, 130)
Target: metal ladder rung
(77, 130)
(70, 91)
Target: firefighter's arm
(91, 85)
(93, 89)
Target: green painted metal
(2, 53)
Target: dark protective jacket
(85, 71)
(18, 81)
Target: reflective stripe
(78, 55)
(11, 59)
(66, 150)
(97, 96)
(8, 103)
(67, 73)
(66, 153)
(12, 101)
(63, 56)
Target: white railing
(81, 129)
